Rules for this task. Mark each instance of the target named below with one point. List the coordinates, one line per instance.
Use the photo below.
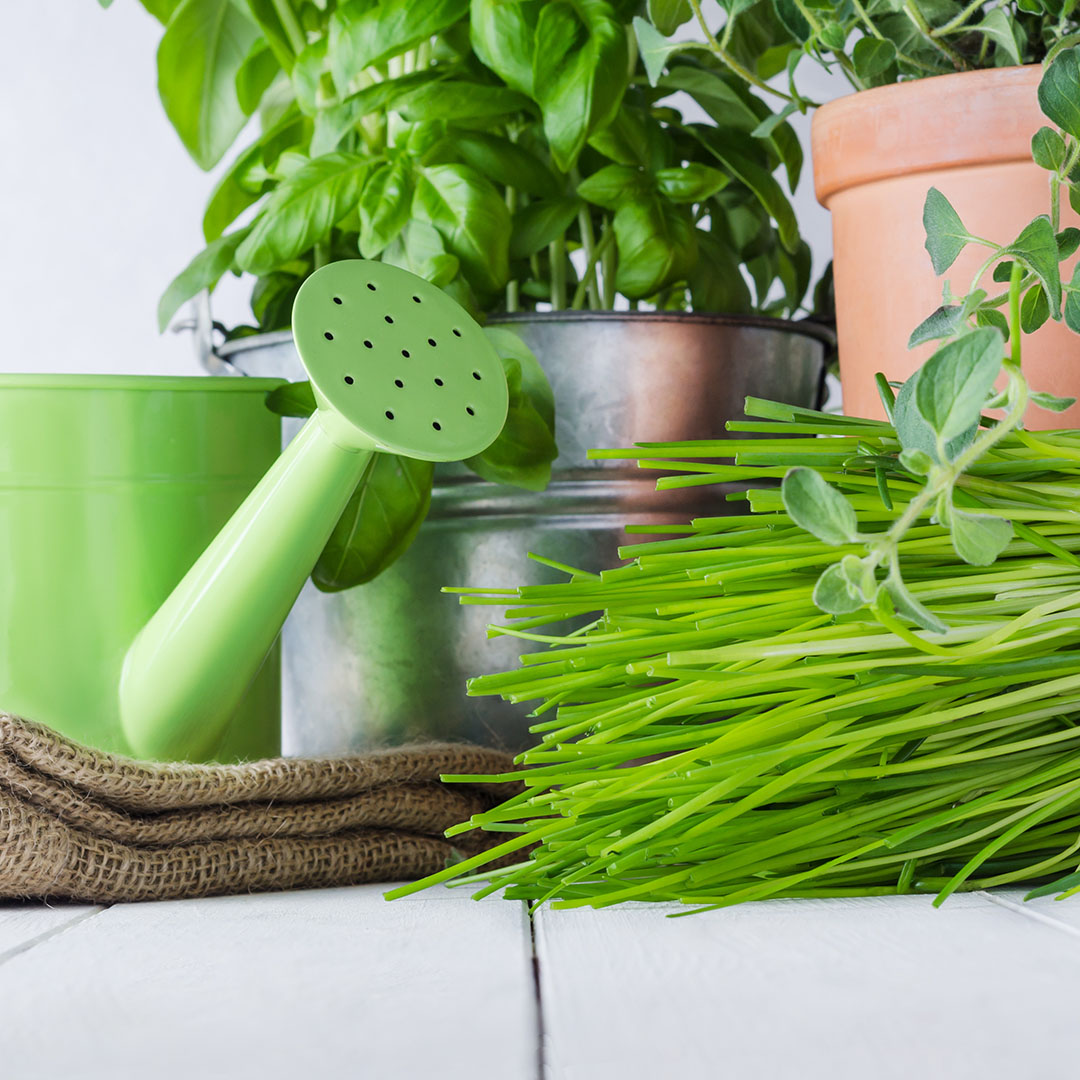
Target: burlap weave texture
(80, 824)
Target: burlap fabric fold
(85, 825)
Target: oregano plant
(940, 413)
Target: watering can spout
(369, 336)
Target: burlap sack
(85, 825)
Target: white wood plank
(333, 983)
(819, 990)
(24, 924)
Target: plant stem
(291, 25)
(588, 280)
(557, 258)
(1016, 278)
(513, 284)
(608, 263)
(917, 17)
(959, 20)
(728, 60)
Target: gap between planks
(48, 933)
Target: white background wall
(100, 205)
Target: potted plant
(946, 98)
(516, 155)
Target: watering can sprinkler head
(396, 367)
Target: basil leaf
(716, 281)
(292, 399)
(952, 386)
(539, 223)
(269, 20)
(654, 47)
(461, 102)
(504, 162)
(379, 523)
(816, 506)
(301, 211)
(472, 218)
(946, 236)
(385, 205)
(668, 15)
(1037, 247)
(1059, 92)
(692, 183)
(203, 272)
(1048, 149)
(502, 36)
(361, 33)
(247, 179)
(633, 137)
(201, 52)
(331, 124)
(657, 244)
(421, 250)
(835, 594)
(256, 73)
(523, 452)
(758, 180)
(979, 538)
(612, 184)
(580, 63)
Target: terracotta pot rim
(946, 121)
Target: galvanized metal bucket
(388, 661)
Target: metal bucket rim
(75, 381)
(804, 328)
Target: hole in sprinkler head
(457, 332)
(405, 353)
(470, 410)
(476, 375)
(328, 336)
(349, 379)
(436, 425)
(368, 345)
(389, 415)
(432, 342)
(337, 299)
(438, 382)
(416, 299)
(370, 286)
(388, 318)
(399, 384)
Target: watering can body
(173, 644)
(110, 488)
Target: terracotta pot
(876, 154)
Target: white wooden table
(339, 983)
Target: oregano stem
(727, 59)
(959, 20)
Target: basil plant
(513, 152)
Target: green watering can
(396, 366)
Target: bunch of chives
(707, 735)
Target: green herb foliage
(482, 143)
(868, 684)
(510, 151)
(873, 42)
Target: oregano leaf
(1048, 149)
(1051, 402)
(946, 236)
(1037, 247)
(834, 592)
(1059, 92)
(979, 538)
(1034, 309)
(905, 604)
(816, 506)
